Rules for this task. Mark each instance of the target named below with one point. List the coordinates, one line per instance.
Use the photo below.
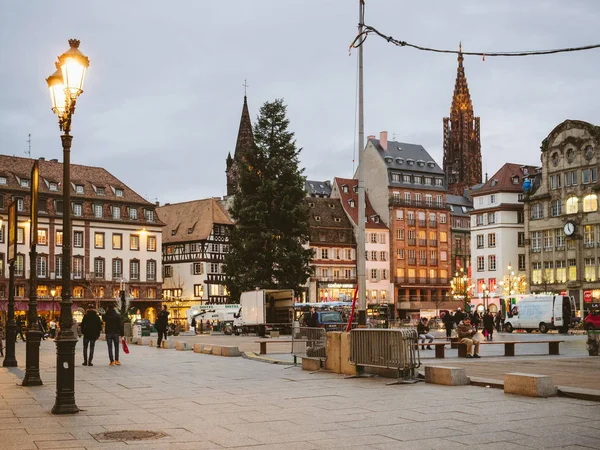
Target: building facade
(462, 143)
(334, 252)
(379, 285)
(194, 243)
(116, 241)
(408, 190)
(562, 223)
(460, 232)
(498, 234)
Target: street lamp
(65, 86)
(53, 294)
(460, 287)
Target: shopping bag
(125, 347)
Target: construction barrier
(309, 343)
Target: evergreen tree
(266, 244)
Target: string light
(361, 37)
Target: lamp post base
(11, 335)
(65, 375)
(32, 363)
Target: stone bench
(167, 344)
(529, 385)
(440, 348)
(143, 341)
(182, 346)
(509, 346)
(263, 343)
(448, 376)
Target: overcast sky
(163, 94)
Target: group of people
(91, 327)
(199, 326)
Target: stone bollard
(345, 366)
(198, 348)
(529, 385)
(333, 352)
(448, 376)
(182, 346)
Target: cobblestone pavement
(210, 402)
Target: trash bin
(137, 331)
(593, 342)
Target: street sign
(33, 229)
(12, 231)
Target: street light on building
(65, 86)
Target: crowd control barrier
(387, 348)
(309, 343)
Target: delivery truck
(227, 315)
(542, 312)
(264, 310)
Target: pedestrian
(52, 329)
(19, 329)
(313, 318)
(488, 325)
(476, 320)
(423, 332)
(112, 329)
(466, 335)
(208, 326)
(459, 316)
(498, 321)
(161, 325)
(448, 321)
(91, 326)
(194, 324)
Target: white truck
(264, 310)
(228, 315)
(541, 312)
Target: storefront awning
(41, 306)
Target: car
(146, 326)
(592, 320)
(330, 320)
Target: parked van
(542, 312)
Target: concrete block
(530, 385)
(448, 376)
(230, 351)
(152, 342)
(333, 349)
(167, 344)
(144, 341)
(182, 345)
(345, 366)
(311, 364)
(274, 334)
(198, 348)
(216, 350)
(207, 349)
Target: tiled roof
(327, 212)
(399, 154)
(191, 221)
(313, 187)
(15, 168)
(352, 196)
(508, 179)
(460, 205)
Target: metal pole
(360, 251)
(11, 327)
(66, 339)
(34, 335)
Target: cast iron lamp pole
(65, 86)
(53, 294)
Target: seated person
(466, 333)
(423, 332)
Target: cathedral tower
(244, 144)
(462, 145)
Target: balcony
(411, 222)
(433, 262)
(422, 280)
(423, 261)
(433, 224)
(412, 261)
(402, 202)
(422, 223)
(215, 278)
(412, 241)
(423, 242)
(433, 242)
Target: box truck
(226, 314)
(541, 312)
(264, 310)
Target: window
(1, 240)
(373, 256)
(571, 206)
(492, 262)
(520, 217)
(400, 253)
(439, 182)
(134, 269)
(58, 206)
(442, 218)
(116, 212)
(561, 272)
(590, 203)
(400, 234)
(151, 244)
(198, 290)
(78, 189)
(134, 242)
(98, 211)
(407, 198)
(438, 200)
(559, 234)
(492, 240)
(585, 176)
(99, 268)
(324, 253)
(374, 274)
(117, 241)
(100, 191)
(480, 239)
(98, 240)
(556, 208)
(77, 267)
(77, 210)
(492, 199)
(168, 271)
(133, 213)
(443, 236)
(479, 219)
(480, 264)
(521, 265)
(24, 183)
(383, 256)
(548, 276)
(590, 269)
(197, 268)
(399, 214)
(521, 239)
(117, 268)
(42, 238)
(536, 241)
(548, 239)
(2, 180)
(588, 235)
(536, 273)
(20, 235)
(537, 211)
(214, 268)
(78, 239)
(571, 178)
(349, 253)
(58, 266)
(42, 266)
(443, 255)
(572, 263)
(119, 192)
(149, 215)
(555, 181)
(19, 263)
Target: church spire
(461, 101)
(243, 145)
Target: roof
(407, 157)
(191, 221)
(15, 168)
(313, 187)
(245, 137)
(508, 179)
(373, 219)
(329, 212)
(459, 205)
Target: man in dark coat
(161, 325)
(19, 329)
(91, 326)
(112, 329)
(313, 318)
(448, 321)
(459, 316)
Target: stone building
(460, 232)
(562, 222)
(462, 144)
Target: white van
(541, 312)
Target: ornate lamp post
(65, 86)
(460, 288)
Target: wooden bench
(440, 348)
(263, 343)
(509, 346)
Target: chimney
(383, 140)
(371, 136)
(157, 204)
(42, 158)
(54, 160)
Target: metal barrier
(309, 343)
(389, 349)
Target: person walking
(19, 329)
(476, 320)
(498, 321)
(423, 332)
(52, 329)
(194, 324)
(448, 321)
(313, 318)
(112, 329)
(488, 325)
(91, 326)
(466, 335)
(161, 325)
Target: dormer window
(515, 180)
(100, 191)
(2, 180)
(399, 161)
(53, 186)
(149, 215)
(375, 219)
(318, 218)
(332, 206)
(410, 162)
(355, 188)
(119, 192)
(78, 189)
(337, 219)
(351, 203)
(312, 205)
(388, 159)
(173, 232)
(321, 186)
(494, 182)
(421, 163)
(345, 188)
(24, 183)
(190, 230)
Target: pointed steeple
(461, 101)
(245, 138)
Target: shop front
(335, 292)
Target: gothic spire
(461, 101)
(245, 138)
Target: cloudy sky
(164, 91)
